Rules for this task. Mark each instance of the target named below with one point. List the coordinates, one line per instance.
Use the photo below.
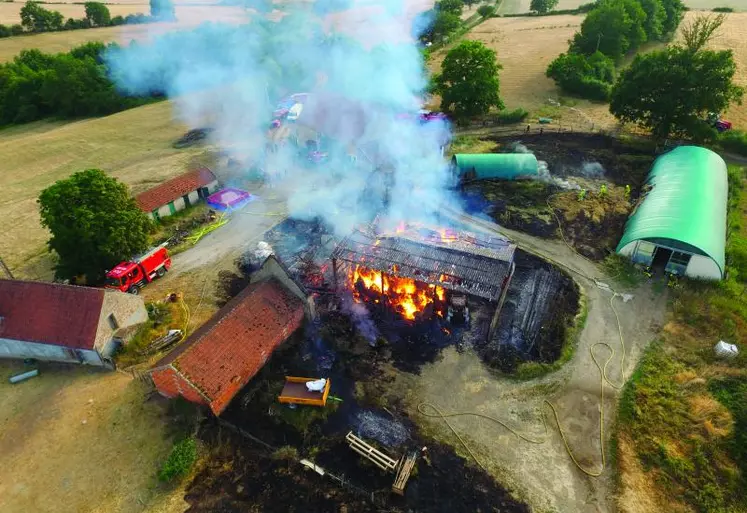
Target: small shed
(679, 222)
(501, 166)
(178, 193)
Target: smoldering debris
(375, 426)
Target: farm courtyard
(73, 430)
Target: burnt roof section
(458, 269)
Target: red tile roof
(50, 313)
(225, 353)
(174, 189)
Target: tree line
(612, 29)
(37, 85)
(36, 19)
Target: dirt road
(543, 473)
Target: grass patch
(622, 269)
(470, 144)
(548, 111)
(162, 317)
(183, 455)
(532, 370)
(685, 410)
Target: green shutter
(156, 217)
(172, 208)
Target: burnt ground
(594, 225)
(540, 306)
(243, 475)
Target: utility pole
(5, 268)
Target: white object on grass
(725, 350)
(316, 386)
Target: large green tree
(468, 82)
(671, 92)
(98, 14)
(675, 10)
(452, 6)
(94, 222)
(35, 18)
(613, 27)
(543, 6)
(589, 77)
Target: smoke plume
(362, 71)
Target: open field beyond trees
(522, 6)
(526, 46)
(134, 146)
(10, 12)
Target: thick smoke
(364, 90)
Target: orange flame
(401, 227)
(406, 296)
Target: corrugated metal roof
(459, 270)
(686, 203)
(49, 313)
(506, 166)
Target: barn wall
(164, 211)
(10, 348)
(703, 267)
(194, 197)
(212, 186)
(179, 204)
(128, 310)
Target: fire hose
(603, 378)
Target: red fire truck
(132, 276)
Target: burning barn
(418, 273)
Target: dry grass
(53, 42)
(10, 12)
(60, 430)
(637, 492)
(134, 146)
(520, 6)
(525, 47)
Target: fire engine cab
(133, 275)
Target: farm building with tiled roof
(64, 323)
(218, 359)
(178, 193)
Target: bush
(117, 20)
(507, 117)
(16, 29)
(486, 11)
(36, 85)
(183, 455)
(588, 77)
(734, 141)
(722, 9)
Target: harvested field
(525, 47)
(53, 42)
(733, 35)
(134, 146)
(59, 430)
(10, 12)
(521, 6)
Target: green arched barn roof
(504, 166)
(686, 203)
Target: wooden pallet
(407, 463)
(378, 458)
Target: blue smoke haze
(230, 77)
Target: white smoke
(361, 318)
(229, 77)
(543, 170)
